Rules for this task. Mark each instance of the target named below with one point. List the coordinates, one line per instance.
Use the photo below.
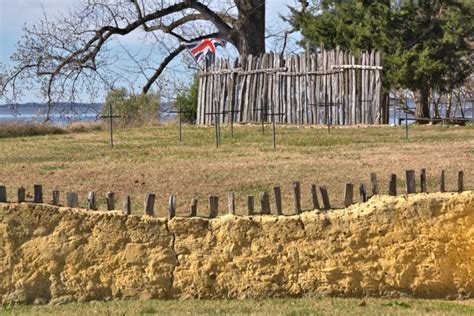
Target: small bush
(397, 304)
(148, 310)
(25, 129)
(19, 129)
(188, 101)
(133, 109)
(82, 127)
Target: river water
(63, 113)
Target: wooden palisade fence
(263, 207)
(331, 86)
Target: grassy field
(150, 159)
(304, 306)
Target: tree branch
(169, 58)
(73, 50)
(162, 67)
(185, 19)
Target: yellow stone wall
(421, 245)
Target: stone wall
(421, 245)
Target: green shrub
(133, 109)
(188, 101)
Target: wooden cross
(396, 104)
(231, 111)
(216, 122)
(264, 112)
(179, 112)
(272, 115)
(217, 115)
(217, 125)
(262, 116)
(111, 117)
(400, 103)
(326, 106)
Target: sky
(15, 14)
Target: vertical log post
(278, 205)
(325, 196)
(150, 204)
(56, 197)
(3, 194)
(410, 181)
(265, 203)
(231, 202)
(423, 180)
(251, 205)
(314, 197)
(21, 194)
(38, 193)
(171, 207)
(91, 201)
(194, 206)
(348, 194)
(460, 181)
(442, 187)
(72, 199)
(362, 193)
(392, 185)
(127, 205)
(373, 181)
(213, 206)
(297, 196)
(110, 201)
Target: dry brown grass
(151, 160)
(23, 129)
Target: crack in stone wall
(170, 288)
(421, 245)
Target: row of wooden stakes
(72, 199)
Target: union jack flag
(200, 49)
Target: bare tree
(74, 52)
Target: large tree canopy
(426, 44)
(73, 52)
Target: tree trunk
(249, 34)
(386, 108)
(435, 104)
(422, 104)
(448, 108)
(436, 109)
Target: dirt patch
(421, 245)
